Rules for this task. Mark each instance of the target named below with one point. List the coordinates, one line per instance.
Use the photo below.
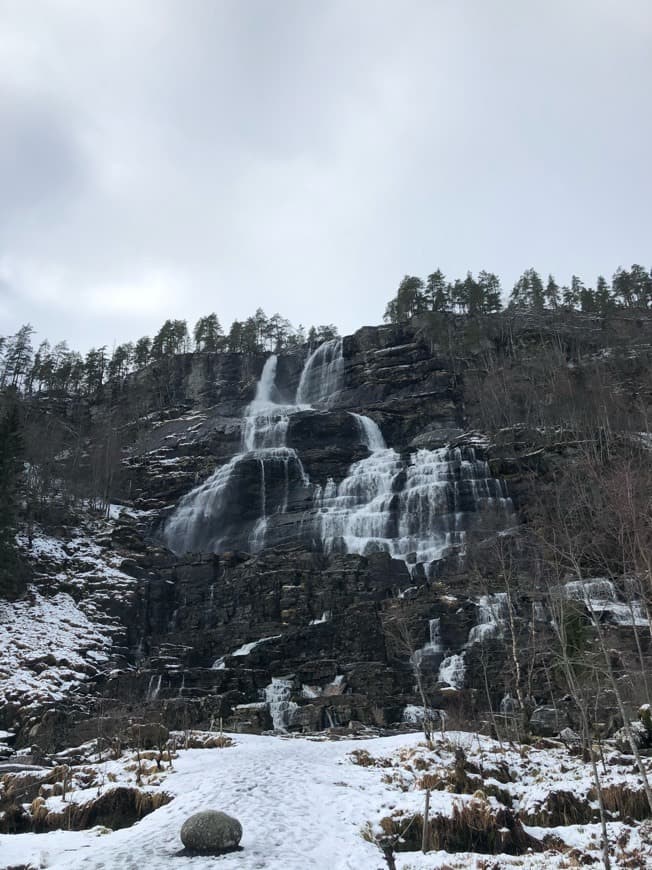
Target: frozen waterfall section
(265, 475)
(416, 508)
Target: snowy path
(301, 805)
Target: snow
(325, 617)
(304, 805)
(600, 596)
(249, 647)
(48, 647)
(51, 643)
(244, 650)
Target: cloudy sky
(168, 158)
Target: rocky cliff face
(295, 545)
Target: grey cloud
(41, 166)
(303, 156)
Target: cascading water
(266, 470)
(416, 511)
(417, 508)
(433, 648)
(321, 375)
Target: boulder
(548, 721)
(211, 832)
(642, 738)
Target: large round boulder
(548, 721)
(211, 832)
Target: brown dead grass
(624, 801)
(474, 826)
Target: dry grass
(474, 826)
(561, 808)
(624, 801)
(118, 808)
(363, 758)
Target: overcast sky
(169, 158)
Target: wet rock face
(328, 443)
(211, 833)
(190, 407)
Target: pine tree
(623, 289)
(537, 295)
(587, 300)
(491, 292)
(603, 300)
(571, 295)
(641, 285)
(208, 334)
(142, 351)
(409, 300)
(234, 340)
(279, 330)
(473, 295)
(18, 355)
(436, 294)
(95, 365)
(251, 336)
(457, 294)
(551, 293)
(121, 361)
(520, 295)
(326, 332)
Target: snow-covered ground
(48, 646)
(305, 804)
(53, 640)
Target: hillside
(439, 524)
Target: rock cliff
(294, 546)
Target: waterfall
(452, 671)
(281, 708)
(418, 508)
(493, 614)
(206, 519)
(600, 597)
(153, 687)
(321, 375)
(267, 383)
(433, 647)
(371, 435)
(416, 511)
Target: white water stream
(416, 508)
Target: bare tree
(398, 633)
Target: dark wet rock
(547, 721)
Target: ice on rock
(601, 597)
(452, 671)
(281, 708)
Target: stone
(570, 737)
(642, 738)
(548, 721)
(211, 832)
